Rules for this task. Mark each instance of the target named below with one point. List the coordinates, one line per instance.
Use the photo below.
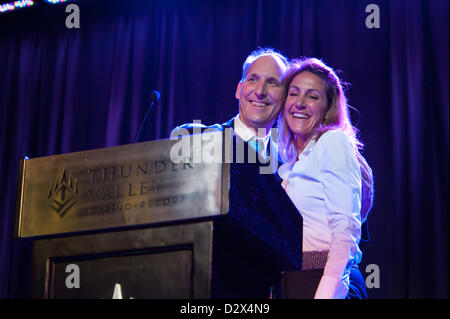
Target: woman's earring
(325, 118)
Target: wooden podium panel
(148, 263)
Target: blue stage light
(55, 1)
(10, 6)
(19, 4)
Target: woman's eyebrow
(309, 90)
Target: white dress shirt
(247, 134)
(325, 186)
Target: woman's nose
(300, 103)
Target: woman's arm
(341, 179)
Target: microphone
(154, 98)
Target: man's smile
(259, 103)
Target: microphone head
(155, 95)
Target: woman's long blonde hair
(337, 118)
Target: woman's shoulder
(335, 138)
(335, 145)
(334, 135)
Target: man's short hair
(281, 59)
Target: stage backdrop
(65, 90)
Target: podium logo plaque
(63, 194)
(128, 185)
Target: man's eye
(293, 94)
(251, 79)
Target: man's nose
(261, 91)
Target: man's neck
(245, 131)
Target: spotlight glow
(55, 1)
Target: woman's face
(306, 104)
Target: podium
(133, 216)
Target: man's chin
(256, 124)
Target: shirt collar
(244, 132)
(309, 147)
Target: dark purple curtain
(65, 90)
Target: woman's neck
(302, 141)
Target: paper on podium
(117, 292)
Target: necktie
(258, 145)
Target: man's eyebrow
(256, 75)
(274, 78)
(252, 74)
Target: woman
(323, 173)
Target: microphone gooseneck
(154, 98)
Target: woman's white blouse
(325, 186)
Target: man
(260, 94)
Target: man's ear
(238, 90)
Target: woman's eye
(313, 97)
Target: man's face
(260, 93)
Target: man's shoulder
(193, 128)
